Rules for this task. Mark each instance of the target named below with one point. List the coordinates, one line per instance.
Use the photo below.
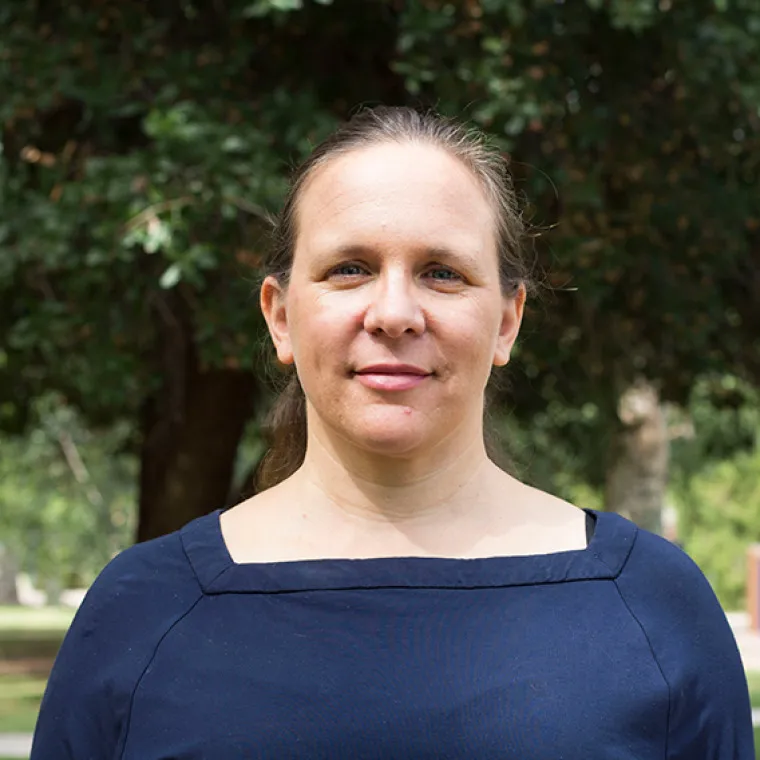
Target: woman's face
(394, 314)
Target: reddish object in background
(753, 587)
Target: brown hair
(286, 424)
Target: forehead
(401, 192)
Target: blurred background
(142, 146)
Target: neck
(449, 480)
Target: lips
(392, 377)
(392, 369)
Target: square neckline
(217, 573)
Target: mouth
(392, 377)
(392, 369)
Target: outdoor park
(143, 147)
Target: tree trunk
(187, 463)
(191, 429)
(637, 476)
(8, 572)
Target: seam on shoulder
(192, 566)
(145, 670)
(617, 573)
(203, 586)
(656, 662)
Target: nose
(394, 308)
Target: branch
(250, 208)
(79, 470)
(151, 212)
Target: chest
(497, 673)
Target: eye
(347, 270)
(443, 274)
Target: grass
(753, 679)
(32, 634)
(20, 702)
(17, 619)
(29, 640)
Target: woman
(392, 593)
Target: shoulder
(654, 576)
(693, 646)
(662, 571)
(145, 575)
(692, 643)
(135, 601)
(678, 612)
(139, 593)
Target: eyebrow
(441, 253)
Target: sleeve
(84, 713)
(79, 716)
(709, 716)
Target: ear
(511, 318)
(273, 303)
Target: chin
(388, 440)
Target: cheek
(323, 327)
(474, 331)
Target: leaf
(170, 277)
(264, 7)
(157, 235)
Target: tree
(142, 147)
(635, 132)
(143, 144)
(637, 476)
(714, 481)
(66, 496)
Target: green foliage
(718, 520)
(265, 7)
(67, 496)
(142, 150)
(561, 449)
(715, 461)
(634, 126)
(143, 147)
(714, 482)
(725, 414)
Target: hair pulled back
(286, 424)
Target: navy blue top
(618, 651)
